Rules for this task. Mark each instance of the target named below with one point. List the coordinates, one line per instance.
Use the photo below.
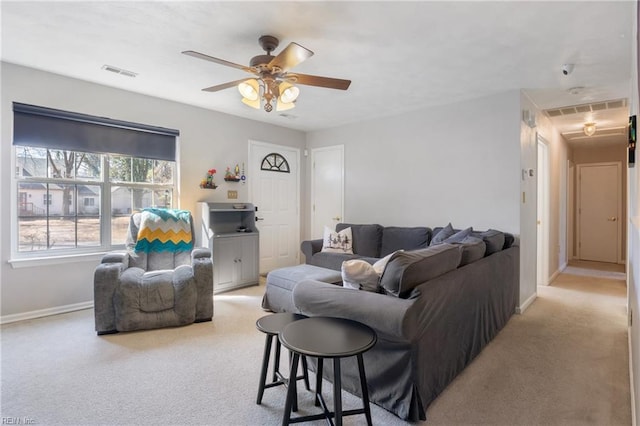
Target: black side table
(272, 325)
(325, 337)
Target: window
(78, 200)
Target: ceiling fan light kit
(273, 83)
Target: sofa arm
(203, 274)
(199, 253)
(105, 281)
(310, 247)
(116, 257)
(387, 315)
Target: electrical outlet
(232, 195)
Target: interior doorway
(542, 221)
(327, 188)
(599, 229)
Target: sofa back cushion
(473, 248)
(367, 239)
(493, 239)
(407, 269)
(404, 238)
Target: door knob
(612, 219)
(336, 218)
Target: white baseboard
(634, 413)
(5, 319)
(555, 275)
(523, 307)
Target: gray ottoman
(280, 284)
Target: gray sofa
(370, 242)
(437, 307)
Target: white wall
(458, 163)
(453, 163)
(207, 139)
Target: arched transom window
(275, 163)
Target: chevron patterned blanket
(164, 230)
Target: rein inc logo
(17, 421)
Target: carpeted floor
(563, 362)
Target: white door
(599, 195)
(327, 188)
(274, 189)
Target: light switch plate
(232, 195)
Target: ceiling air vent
(120, 71)
(577, 109)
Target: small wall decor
(243, 178)
(208, 182)
(234, 176)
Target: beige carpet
(564, 362)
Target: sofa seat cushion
(151, 291)
(334, 260)
(407, 269)
(288, 277)
(396, 238)
(367, 239)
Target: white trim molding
(6, 319)
(523, 307)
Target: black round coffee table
(324, 337)
(272, 325)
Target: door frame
(579, 167)
(542, 211)
(313, 178)
(275, 147)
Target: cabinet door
(225, 261)
(249, 259)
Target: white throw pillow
(382, 263)
(337, 242)
(359, 275)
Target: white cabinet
(236, 258)
(231, 234)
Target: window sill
(54, 260)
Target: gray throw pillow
(408, 269)
(473, 249)
(459, 236)
(493, 239)
(444, 233)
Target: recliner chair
(160, 281)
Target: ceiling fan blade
(223, 86)
(218, 61)
(314, 80)
(291, 56)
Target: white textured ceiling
(400, 56)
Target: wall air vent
(120, 71)
(577, 109)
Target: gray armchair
(156, 282)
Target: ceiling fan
(273, 83)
